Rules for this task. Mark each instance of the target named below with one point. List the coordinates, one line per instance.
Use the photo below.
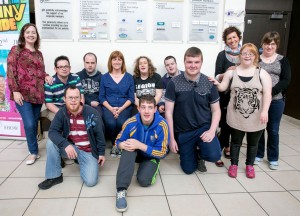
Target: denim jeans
(88, 164)
(113, 126)
(187, 144)
(275, 114)
(30, 114)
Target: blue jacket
(156, 136)
(60, 129)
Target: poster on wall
(131, 20)
(55, 19)
(203, 20)
(168, 19)
(13, 15)
(94, 20)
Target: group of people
(146, 115)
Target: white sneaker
(32, 158)
(257, 161)
(273, 165)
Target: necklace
(269, 59)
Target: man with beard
(75, 133)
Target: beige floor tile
(212, 168)
(287, 151)
(296, 194)
(290, 180)
(191, 205)
(71, 169)
(18, 144)
(136, 190)
(96, 206)
(14, 188)
(1, 149)
(293, 131)
(290, 140)
(70, 187)
(13, 154)
(110, 167)
(282, 133)
(147, 206)
(293, 161)
(46, 207)
(278, 203)
(105, 187)
(170, 167)
(2, 180)
(5, 143)
(172, 156)
(35, 170)
(19, 206)
(182, 184)
(7, 167)
(295, 147)
(262, 182)
(236, 204)
(220, 183)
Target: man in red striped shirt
(76, 133)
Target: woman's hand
(213, 80)
(49, 80)
(18, 98)
(264, 117)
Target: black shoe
(48, 183)
(62, 163)
(201, 166)
(76, 161)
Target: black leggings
(236, 142)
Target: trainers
(32, 158)
(121, 203)
(232, 171)
(250, 173)
(257, 161)
(114, 152)
(201, 166)
(48, 183)
(273, 165)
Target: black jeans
(236, 142)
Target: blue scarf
(231, 52)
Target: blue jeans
(88, 164)
(113, 126)
(30, 114)
(187, 144)
(275, 114)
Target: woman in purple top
(116, 96)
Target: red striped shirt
(78, 133)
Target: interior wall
(156, 51)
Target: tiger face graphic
(246, 101)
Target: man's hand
(207, 136)
(72, 154)
(101, 160)
(94, 103)
(173, 146)
(132, 145)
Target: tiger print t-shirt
(245, 105)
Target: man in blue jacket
(75, 133)
(144, 139)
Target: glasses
(270, 44)
(70, 98)
(63, 67)
(247, 54)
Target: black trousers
(236, 142)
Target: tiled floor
(212, 193)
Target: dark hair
(170, 57)
(271, 36)
(89, 53)
(116, 54)
(151, 68)
(229, 30)
(59, 58)
(72, 87)
(148, 99)
(193, 52)
(21, 40)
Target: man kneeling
(144, 139)
(75, 133)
